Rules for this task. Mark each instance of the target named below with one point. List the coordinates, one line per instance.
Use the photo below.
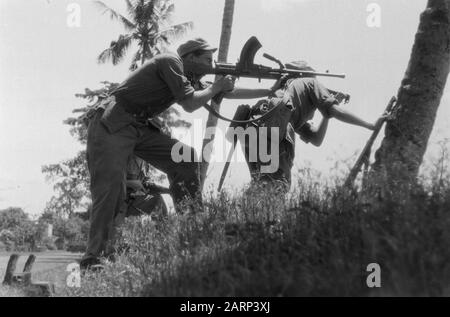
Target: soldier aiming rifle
(120, 127)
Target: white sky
(43, 63)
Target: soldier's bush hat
(194, 45)
(299, 65)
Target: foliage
(12, 217)
(77, 247)
(48, 244)
(17, 231)
(438, 169)
(73, 229)
(148, 24)
(71, 184)
(93, 98)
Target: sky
(45, 61)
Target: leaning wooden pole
(211, 124)
(365, 154)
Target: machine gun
(246, 67)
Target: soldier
(121, 127)
(300, 98)
(143, 197)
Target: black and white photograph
(219, 155)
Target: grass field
(261, 245)
(317, 241)
(49, 266)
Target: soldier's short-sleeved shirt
(305, 132)
(304, 96)
(308, 95)
(156, 85)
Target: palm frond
(158, 6)
(116, 50)
(131, 8)
(139, 12)
(166, 13)
(115, 15)
(149, 52)
(147, 10)
(175, 32)
(136, 59)
(164, 39)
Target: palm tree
(227, 24)
(406, 137)
(148, 25)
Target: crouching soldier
(143, 197)
(290, 111)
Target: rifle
(246, 67)
(242, 114)
(364, 157)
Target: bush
(10, 246)
(40, 248)
(76, 247)
(2, 247)
(23, 248)
(60, 244)
(49, 244)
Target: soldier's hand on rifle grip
(346, 98)
(280, 83)
(224, 84)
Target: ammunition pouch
(243, 113)
(274, 113)
(279, 118)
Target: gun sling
(264, 116)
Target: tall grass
(317, 241)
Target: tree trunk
(225, 37)
(398, 160)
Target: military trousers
(108, 152)
(282, 176)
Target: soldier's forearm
(348, 117)
(319, 135)
(198, 99)
(246, 93)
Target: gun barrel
(264, 72)
(300, 73)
